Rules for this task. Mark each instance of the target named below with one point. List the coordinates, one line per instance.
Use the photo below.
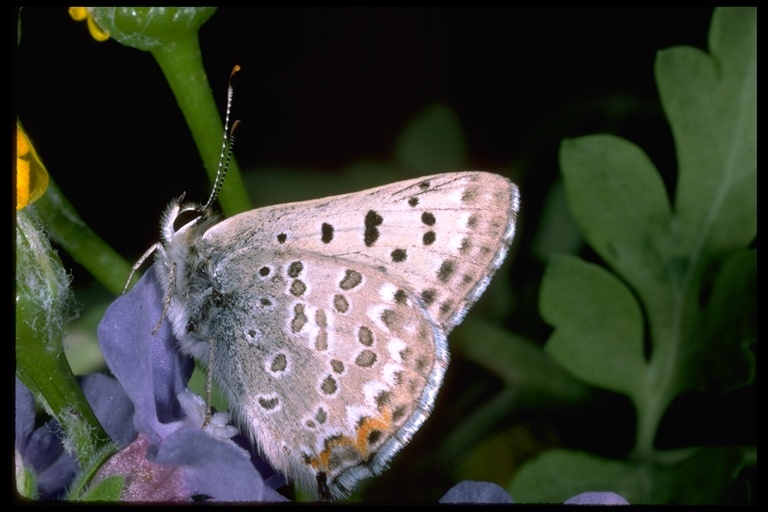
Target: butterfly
(324, 322)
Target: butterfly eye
(186, 217)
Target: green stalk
(182, 65)
(43, 302)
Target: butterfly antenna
(226, 145)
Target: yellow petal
(31, 176)
(78, 13)
(82, 13)
(96, 32)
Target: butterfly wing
(445, 235)
(331, 366)
(327, 318)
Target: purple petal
(111, 405)
(41, 448)
(25, 416)
(476, 492)
(150, 368)
(154, 374)
(214, 468)
(45, 454)
(597, 498)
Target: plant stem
(182, 64)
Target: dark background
(322, 88)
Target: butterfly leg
(167, 299)
(209, 383)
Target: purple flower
(41, 449)
(487, 492)
(597, 498)
(476, 492)
(202, 462)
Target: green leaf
(557, 475)
(702, 477)
(728, 328)
(693, 477)
(598, 324)
(26, 480)
(108, 489)
(711, 102)
(684, 275)
(619, 201)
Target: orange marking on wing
(382, 423)
(368, 425)
(323, 458)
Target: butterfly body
(325, 321)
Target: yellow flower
(31, 176)
(82, 13)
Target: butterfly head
(184, 220)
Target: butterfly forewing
(445, 235)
